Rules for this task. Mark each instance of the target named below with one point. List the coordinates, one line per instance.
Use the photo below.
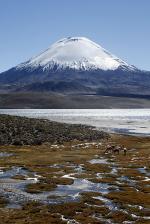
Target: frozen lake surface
(126, 121)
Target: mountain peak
(78, 53)
(74, 39)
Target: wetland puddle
(73, 191)
(14, 189)
(13, 183)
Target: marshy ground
(76, 182)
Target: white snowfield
(77, 53)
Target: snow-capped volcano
(77, 53)
(76, 65)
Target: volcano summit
(76, 65)
(77, 53)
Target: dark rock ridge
(30, 131)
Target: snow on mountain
(77, 53)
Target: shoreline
(131, 122)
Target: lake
(125, 121)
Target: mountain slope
(76, 65)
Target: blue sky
(28, 27)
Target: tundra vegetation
(105, 187)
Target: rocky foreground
(30, 131)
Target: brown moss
(108, 180)
(97, 168)
(119, 217)
(142, 221)
(39, 187)
(88, 197)
(130, 197)
(18, 177)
